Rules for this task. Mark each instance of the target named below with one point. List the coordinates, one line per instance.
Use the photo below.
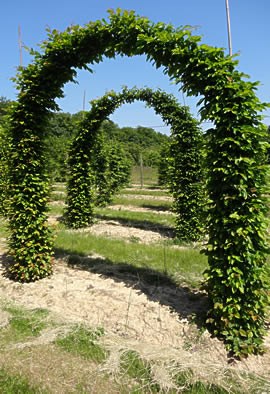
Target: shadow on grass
(151, 187)
(163, 230)
(157, 286)
(160, 208)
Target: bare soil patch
(147, 197)
(132, 208)
(114, 229)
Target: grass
(183, 265)
(132, 365)
(124, 195)
(183, 380)
(144, 176)
(150, 178)
(123, 198)
(145, 192)
(23, 324)
(84, 342)
(141, 202)
(16, 384)
(69, 357)
(140, 370)
(57, 196)
(59, 186)
(145, 220)
(70, 371)
(76, 362)
(56, 210)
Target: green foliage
(30, 241)
(5, 108)
(4, 169)
(236, 279)
(60, 132)
(63, 128)
(111, 168)
(136, 141)
(80, 186)
(183, 169)
(184, 149)
(237, 240)
(5, 146)
(163, 165)
(131, 143)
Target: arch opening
(186, 161)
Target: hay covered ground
(158, 321)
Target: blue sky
(250, 39)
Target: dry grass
(151, 342)
(132, 365)
(56, 371)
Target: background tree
(63, 127)
(111, 167)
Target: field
(122, 312)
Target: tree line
(135, 142)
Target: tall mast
(229, 27)
(20, 44)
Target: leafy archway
(186, 145)
(237, 243)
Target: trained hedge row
(237, 242)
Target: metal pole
(229, 27)
(141, 169)
(20, 43)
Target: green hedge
(237, 237)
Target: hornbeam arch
(186, 148)
(236, 148)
